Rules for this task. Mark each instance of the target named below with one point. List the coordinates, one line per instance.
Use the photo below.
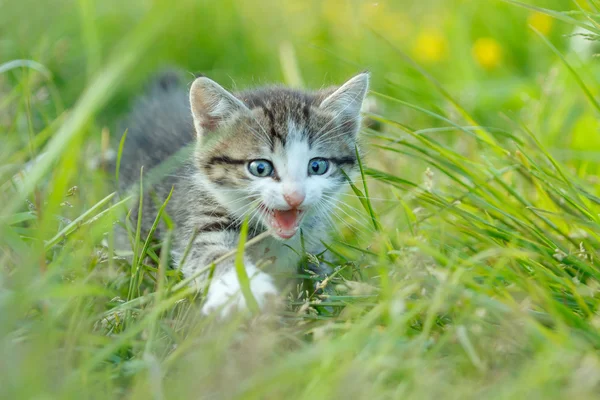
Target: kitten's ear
(347, 100)
(212, 105)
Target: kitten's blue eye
(261, 168)
(318, 166)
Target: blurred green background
(483, 52)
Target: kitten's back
(159, 125)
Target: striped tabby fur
(294, 135)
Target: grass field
(467, 256)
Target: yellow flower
(541, 22)
(430, 47)
(487, 52)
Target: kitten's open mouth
(284, 223)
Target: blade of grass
(10, 65)
(367, 200)
(150, 234)
(574, 73)
(79, 221)
(241, 270)
(127, 54)
(119, 155)
(555, 14)
(135, 264)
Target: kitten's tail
(170, 79)
(166, 81)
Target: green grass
(467, 262)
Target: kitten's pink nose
(294, 199)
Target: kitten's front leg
(224, 294)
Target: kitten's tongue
(286, 222)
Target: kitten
(273, 154)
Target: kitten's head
(277, 155)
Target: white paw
(224, 295)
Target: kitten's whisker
(325, 138)
(233, 209)
(245, 199)
(253, 206)
(268, 142)
(343, 221)
(325, 208)
(245, 191)
(256, 134)
(363, 219)
(258, 212)
(250, 204)
(176, 176)
(255, 210)
(334, 205)
(352, 195)
(360, 213)
(260, 137)
(330, 139)
(345, 203)
(264, 130)
(326, 213)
